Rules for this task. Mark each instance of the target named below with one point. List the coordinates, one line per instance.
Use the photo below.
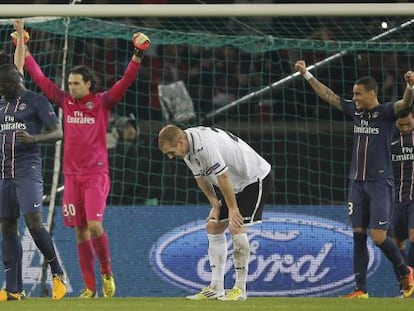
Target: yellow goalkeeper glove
(141, 43)
(14, 35)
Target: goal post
(209, 10)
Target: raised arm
(407, 99)
(19, 37)
(320, 89)
(116, 92)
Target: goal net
(237, 73)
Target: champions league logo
(291, 255)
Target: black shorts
(251, 200)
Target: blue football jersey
(402, 147)
(30, 112)
(373, 130)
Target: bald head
(170, 134)
(172, 141)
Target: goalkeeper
(85, 159)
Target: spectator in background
(124, 161)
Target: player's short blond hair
(170, 134)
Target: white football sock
(241, 255)
(217, 254)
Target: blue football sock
(44, 243)
(361, 261)
(10, 247)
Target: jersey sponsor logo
(11, 124)
(407, 154)
(291, 255)
(365, 128)
(79, 118)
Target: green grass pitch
(181, 304)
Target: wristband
(410, 86)
(307, 75)
(139, 53)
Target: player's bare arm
(407, 99)
(208, 190)
(226, 188)
(54, 133)
(320, 89)
(20, 38)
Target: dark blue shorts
(402, 220)
(20, 194)
(370, 203)
(251, 200)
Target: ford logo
(291, 255)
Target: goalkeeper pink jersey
(85, 120)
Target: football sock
(241, 255)
(86, 263)
(44, 243)
(410, 255)
(101, 247)
(360, 261)
(397, 271)
(19, 268)
(393, 254)
(217, 254)
(10, 247)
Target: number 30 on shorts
(69, 210)
(350, 208)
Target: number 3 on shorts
(350, 208)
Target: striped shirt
(214, 151)
(402, 147)
(29, 112)
(373, 130)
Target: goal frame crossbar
(208, 10)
